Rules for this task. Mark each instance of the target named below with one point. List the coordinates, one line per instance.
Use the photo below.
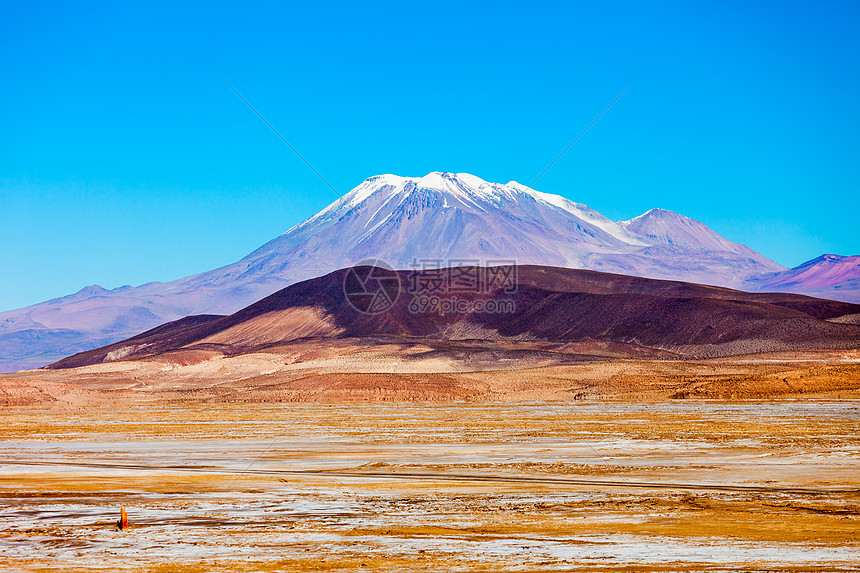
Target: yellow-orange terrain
(350, 457)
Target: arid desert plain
(733, 464)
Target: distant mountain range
(441, 218)
(829, 276)
(535, 309)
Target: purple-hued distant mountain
(829, 276)
(444, 217)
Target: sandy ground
(672, 485)
(347, 370)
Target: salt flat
(526, 486)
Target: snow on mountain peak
(435, 180)
(660, 226)
(376, 198)
(440, 216)
(458, 214)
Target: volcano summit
(442, 218)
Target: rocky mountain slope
(531, 304)
(441, 218)
(828, 276)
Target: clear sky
(124, 158)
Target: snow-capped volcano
(450, 217)
(441, 217)
(380, 198)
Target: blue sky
(124, 158)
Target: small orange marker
(123, 519)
